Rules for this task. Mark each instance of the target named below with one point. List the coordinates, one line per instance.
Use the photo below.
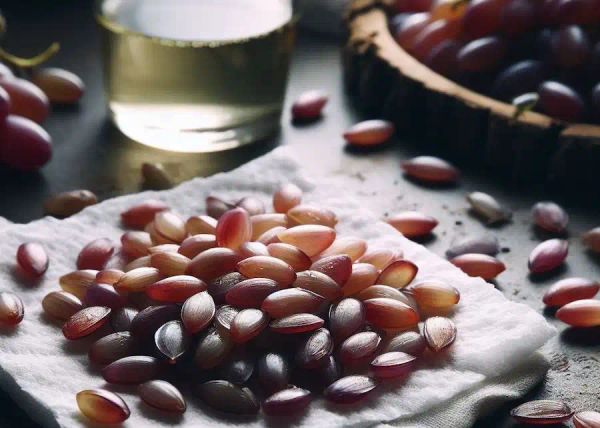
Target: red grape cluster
(508, 48)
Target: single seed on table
(310, 214)
(78, 281)
(68, 203)
(148, 320)
(309, 106)
(359, 348)
(482, 265)
(287, 402)
(213, 263)
(113, 347)
(297, 323)
(157, 238)
(376, 291)
(197, 312)
(102, 406)
(369, 133)
(11, 308)
(383, 312)
(346, 318)
(194, 245)
(542, 412)
(398, 274)
(349, 389)
(138, 263)
(212, 349)
(104, 295)
(548, 255)
(139, 215)
(247, 324)
(479, 244)
(59, 85)
(262, 223)
(131, 370)
(170, 225)
(380, 257)
(251, 293)
(287, 197)
(349, 246)
(138, 279)
(95, 255)
(393, 364)
(291, 255)
(32, 258)
(413, 224)
(175, 289)
(120, 319)
(271, 236)
(61, 305)
(109, 276)
(224, 315)
(237, 370)
(318, 283)
(226, 397)
(172, 341)
(162, 395)
(234, 228)
(136, 244)
(337, 267)
(569, 290)
(363, 276)
(433, 293)
(550, 217)
(170, 264)
(251, 249)
(488, 208)
(591, 239)
(85, 322)
(315, 350)
(267, 267)
(252, 205)
(216, 207)
(156, 176)
(291, 301)
(201, 225)
(273, 372)
(581, 313)
(409, 342)
(439, 332)
(430, 169)
(586, 420)
(219, 287)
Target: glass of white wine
(196, 75)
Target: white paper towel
(496, 337)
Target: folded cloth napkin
(493, 359)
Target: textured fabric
(43, 371)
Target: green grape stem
(28, 63)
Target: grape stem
(26, 63)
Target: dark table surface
(89, 153)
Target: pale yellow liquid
(196, 75)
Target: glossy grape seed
(175, 289)
(271, 236)
(238, 369)
(247, 324)
(388, 313)
(267, 267)
(581, 313)
(369, 133)
(488, 208)
(348, 246)
(315, 349)
(291, 301)
(297, 323)
(120, 319)
(307, 107)
(439, 332)
(33, 259)
(376, 291)
(273, 372)
(234, 228)
(310, 214)
(197, 312)
(349, 389)
(434, 293)
(172, 341)
(201, 225)
(591, 239)
(346, 318)
(291, 255)
(104, 295)
(479, 244)
(138, 263)
(194, 245)
(569, 290)
(251, 249)
(212, 349)
(430, 169)
(135, 369)
(413, 224)
(262, 223)
(550, 217)
(137, 280)
(542, 412)
(61, 305)
(359, 348)
(311, 239)
(216, 207)
(392, 365)
(318, 283)
(219, 287)
(85, 322)
(26, 99)
(228, 398)
(113, 347)
(379, 257)
(287, 402)
(251, 293)
(148, 320)
(548, 256)
(409, 342)
(586, 419)
(102, 406)
(170, 263)
(287, 197)
(363, 276)
(59, 85)
(26, 146)
(213, 263)
(11, 308)
(398, 274)
(481, 265)
(138, 216)
(162, 395)
(337, 267)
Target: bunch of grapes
(547, 51)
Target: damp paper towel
(493, 359)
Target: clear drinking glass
(196, 75)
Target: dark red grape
(442, 58)
(482, 54)
(434, 34)
(519, 78)
(411, 27)
(483, 17)
(402, 6)
(570, 46)
(518, 17)
(560, 101)
(24, 145)
(27, 100)
(577, 12)
(4, 105)
(549, 12)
